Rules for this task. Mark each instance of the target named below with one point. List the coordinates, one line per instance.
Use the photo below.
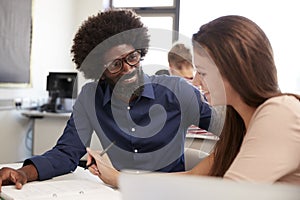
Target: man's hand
(19, 177)
(10, 176)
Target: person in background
(260, 140)
(162, 72)
(145, 117)
(180, 61)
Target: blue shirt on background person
(145, 139)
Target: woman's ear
(102, 78)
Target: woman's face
(201, 85)
(209, 78)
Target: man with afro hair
(145, 117)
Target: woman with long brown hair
(260, 141)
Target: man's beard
(130, 90)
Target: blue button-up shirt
(149, 132)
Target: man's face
(123, 72)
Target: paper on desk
(63, 189)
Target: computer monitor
(60, 86)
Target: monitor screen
(62, 84)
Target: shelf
(38, 114)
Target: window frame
(165, 11)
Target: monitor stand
(56, 105)
(51, 106)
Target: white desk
(78, 178)
(145, 186)
(38, 114)
(204, 142)
(197, 147)
(47, 128)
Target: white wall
(54, 25)
(278, 19)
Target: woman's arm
(103, 168)
(202, 168)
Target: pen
(101, 154)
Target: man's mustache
(128, 76)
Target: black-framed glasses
(131, 59)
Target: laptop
(158, 186)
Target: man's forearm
(30, 172)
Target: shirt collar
(147, 92)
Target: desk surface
(202, 136)
(79, 178)
(197, 133)
(136, 186)
(38, 114)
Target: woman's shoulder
(284, 105)
(287, 101)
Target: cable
(28, 139)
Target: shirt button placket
(132, 131)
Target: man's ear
(171, 66)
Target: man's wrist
(30, 172)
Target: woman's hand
(103, 168)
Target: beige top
(270, 151)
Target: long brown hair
(244, 57)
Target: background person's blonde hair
(179, 53)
